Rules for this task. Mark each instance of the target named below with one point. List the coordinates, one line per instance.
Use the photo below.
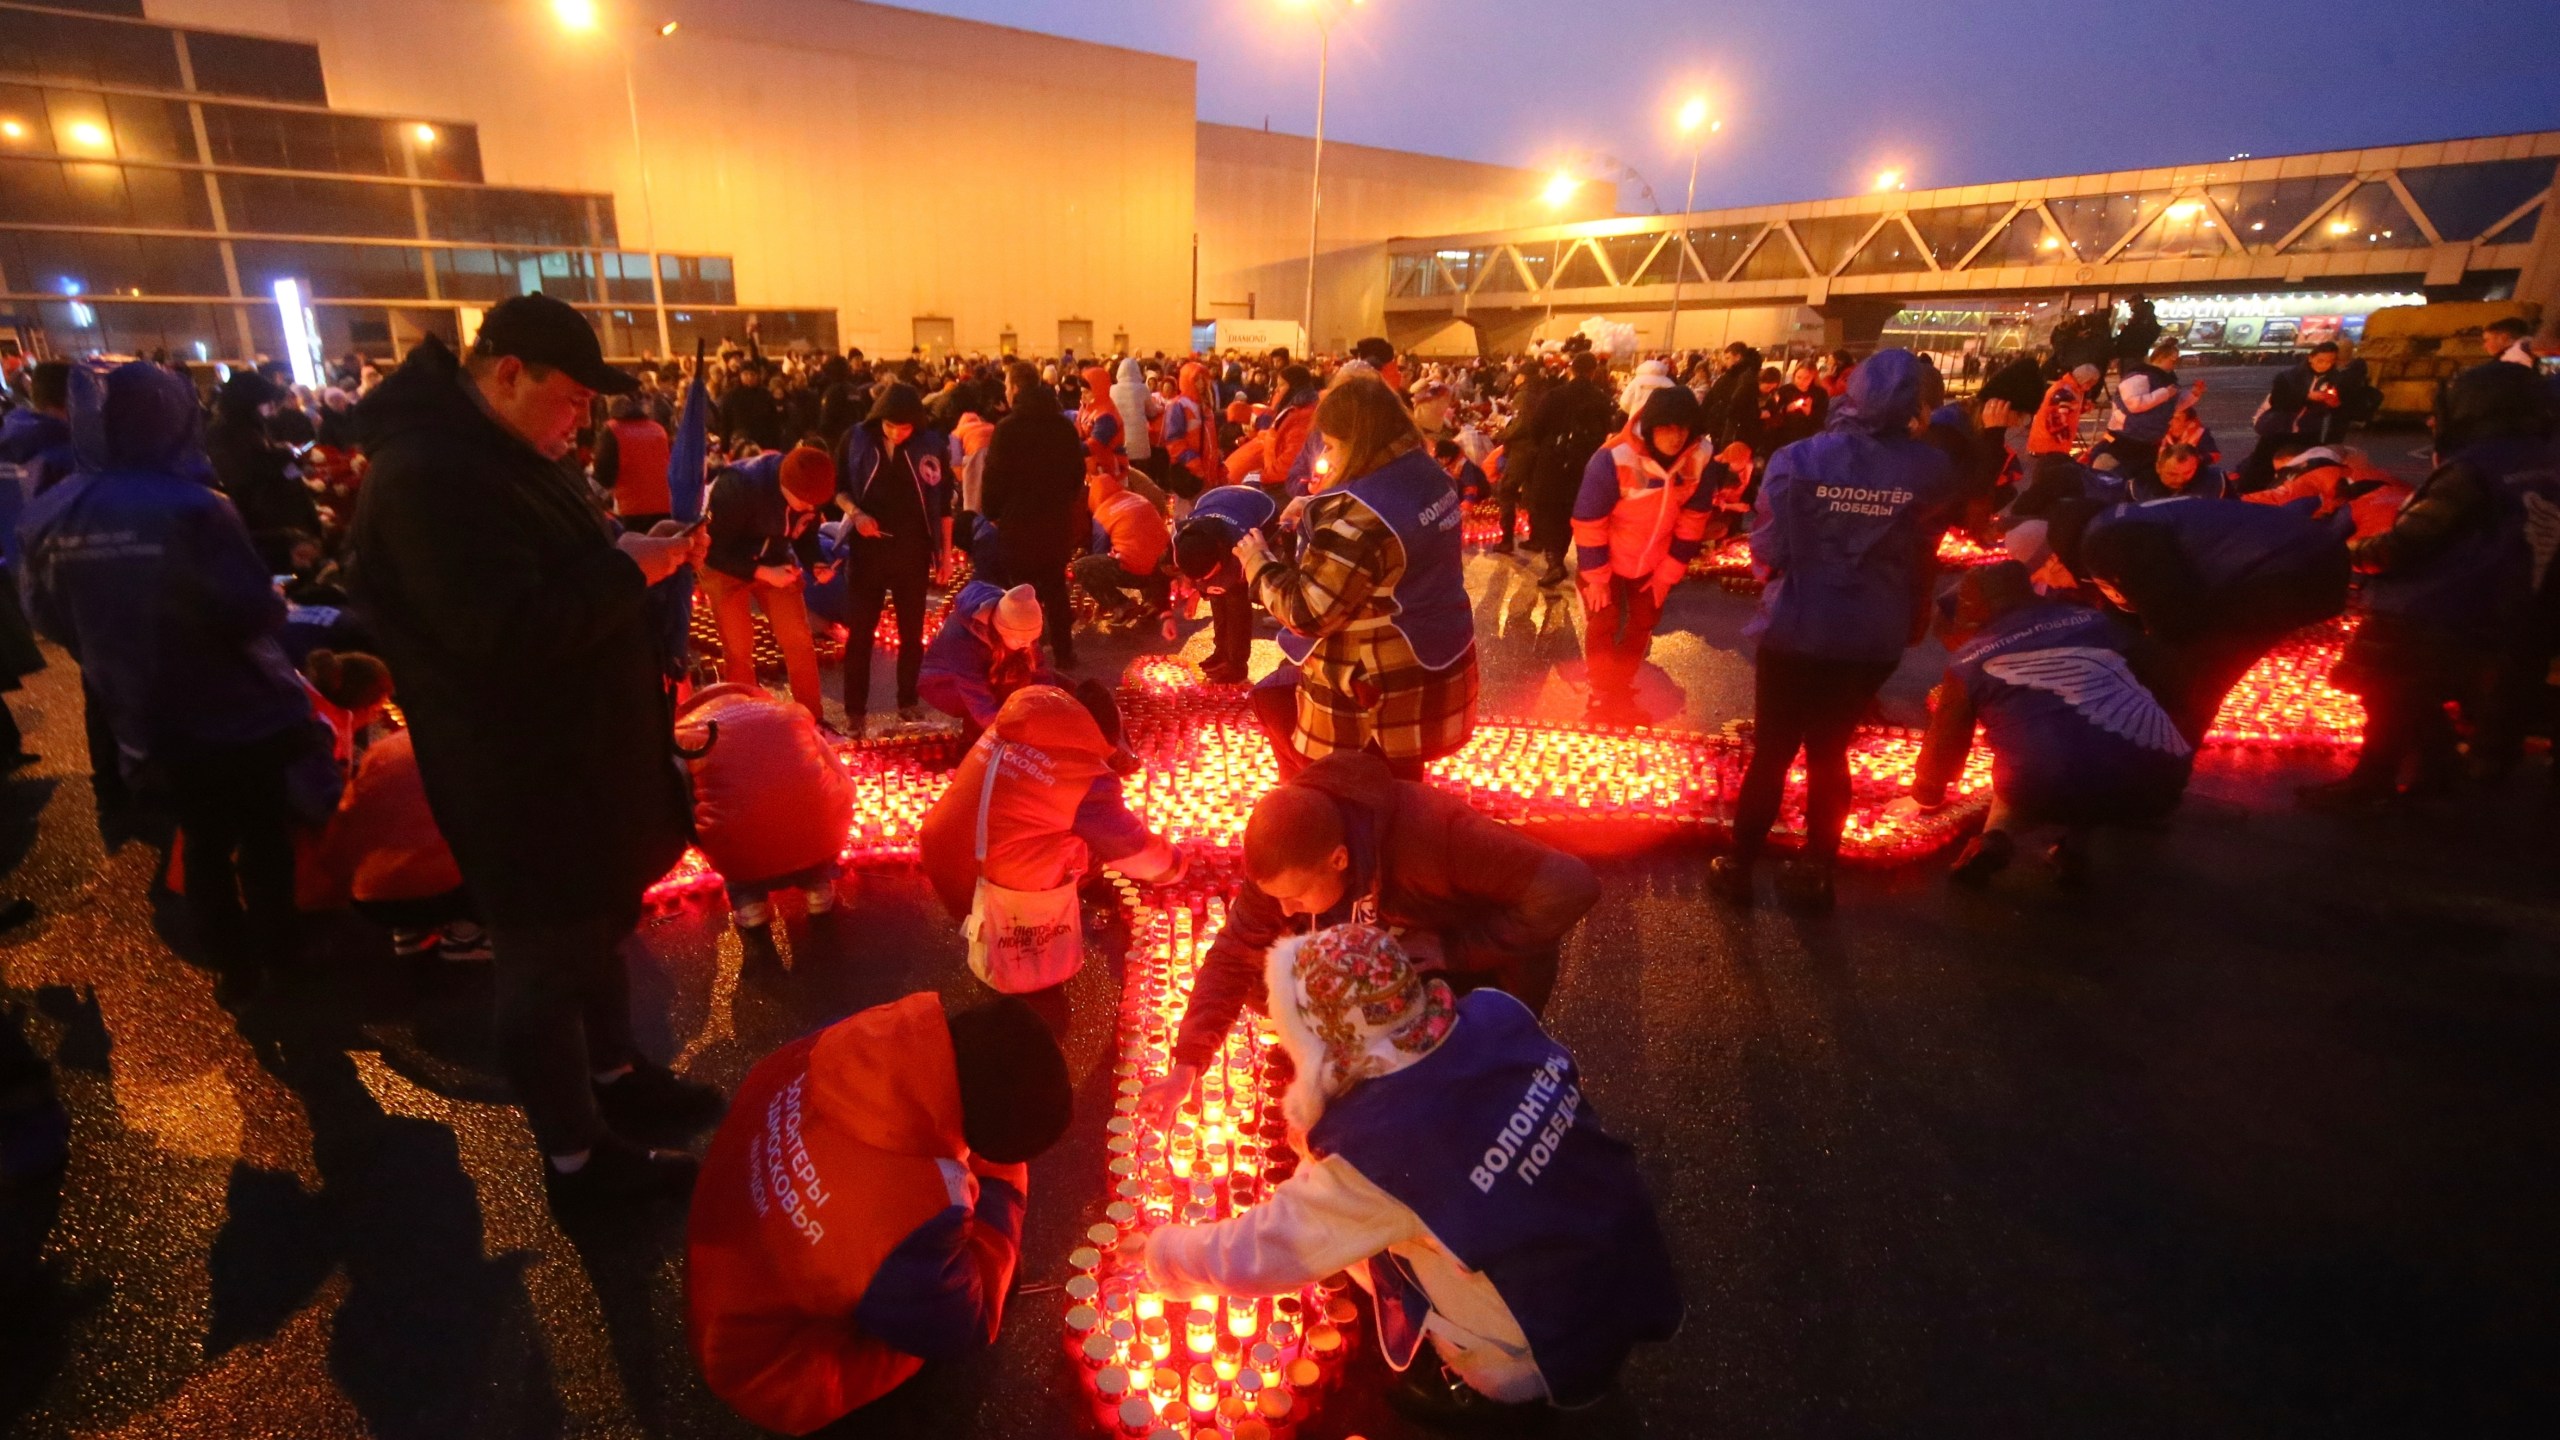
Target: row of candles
(1190, 1366)
(1204, 761)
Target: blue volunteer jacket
(2070, 727)
(1847, 519)
(2229, 541)
(1490, 1140)
(1412, 494)
(149, 579)
(35, 453)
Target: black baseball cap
(542, 331)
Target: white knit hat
(1017, 617)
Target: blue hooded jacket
(35, 453)
(148, 578)
(1848, 521)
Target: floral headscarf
(1351, 1007)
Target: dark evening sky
(1816, 99)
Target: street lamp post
(582, 15)
(1315, 180)
(1693, 123)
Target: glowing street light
(89, 135)
(1315, 178)
(582, 15)
(12, 130)
(1560, 189)
(1890, 180)
(423, 134)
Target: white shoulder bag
(1020, 940)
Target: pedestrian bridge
(2456, 219)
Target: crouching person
(1477, 900)
(1204, 547)
(1448, 1146)
(1034, 808)
(860, 1212)
(2076, 738)
(988, 647)
(771, 800)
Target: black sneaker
(654, 1103)
(1431, 1395)
(1985, 855)
(1806, 886)
(619, 1173)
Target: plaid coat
(1362, 685)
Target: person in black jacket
(893, 477)
(1035, 498)
(519, 629)
(1572, 423)
(1732, 403)
(749, 414)
(763, 523)
(1521, 448)
(258, 474)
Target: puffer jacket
(770, 796)
(842, 1233)
(1130, 396)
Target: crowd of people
(504, 545)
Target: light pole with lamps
(582, 15)
(1315, 183)
(1696, 126)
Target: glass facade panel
(1951, 230)
(286, 205)
(332, 272)
(1828, 238)
(1404, 272)
(2521, 232)
(54, 192)
(1772, 259)
(22, 120)
(2091, 223)
(1891, 252)
(779, 329)
(301, 140)
(472, 274)
(148, 129)
(1627, 253)
(74, 50)
(52, 262)
(625, 333)
(1501, 276)
(626, 277)
(257, 69)
(1538, 257)
(686, 328)
(2370, 219)
(2464, 200)
(2263, 212)
(190, 332)
(1581, 269)
(508, 217)
(2186, 230)
(1717, 250)
(446, 152)
(697, 280)
(2025, 240)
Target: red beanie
(809, 476)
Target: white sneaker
(821, 898)
(752, 914)
(464, 942)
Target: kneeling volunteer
(1449, 1146)
(860, 1212)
